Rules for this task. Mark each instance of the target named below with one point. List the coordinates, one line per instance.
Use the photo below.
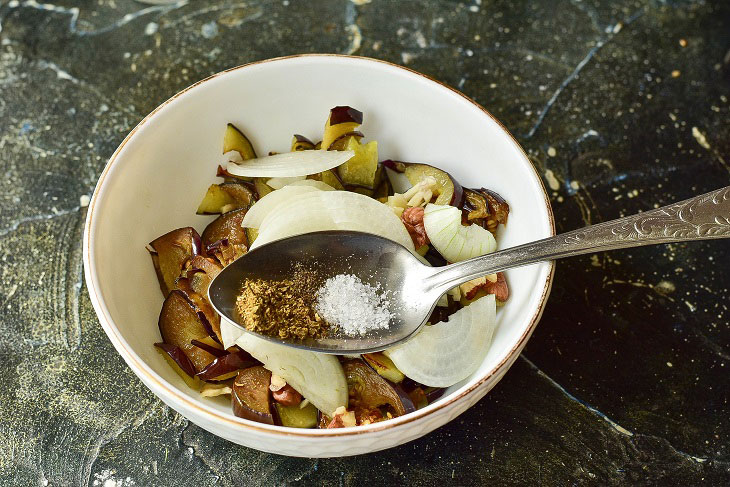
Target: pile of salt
(353, 306)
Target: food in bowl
(338, 183)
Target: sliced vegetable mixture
(336, 184)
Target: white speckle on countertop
(552, 180)
(700, 138)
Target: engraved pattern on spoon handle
(703, 217)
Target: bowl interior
(157, 178)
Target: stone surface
(621, 105)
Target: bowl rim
(140, 367)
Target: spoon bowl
(379, 262)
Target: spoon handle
(703, 217)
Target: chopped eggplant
(328, 177)
(211, 346)
(449, 191)
(180, 363)
(262, 189)
(251, 396)
(418, 397)
(498, 209)
(297, 417)
(384, 189)
(235, 140)
(404, 397)
(341, 120)
(170, 252)
(180, 323)
(362, 168)
(340, 143)
(222, 198)
(300, 142)
(251, 234)
(226, 227)
(384, 366)
(200, 301)
(485, 208)
(202, 271)
(228, 365)
(369, 393)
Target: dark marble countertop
(621, 106)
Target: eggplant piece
(180, 323)
(449, 190)
(485, 208)
(384, 367)
(221, 172)
(200, 301)
(169, 254)
(296, 417)
(226, 227)
(340, 143)
(362, 168)
(474, 209)
(404, 397)
(384, 189)
(201, 272)
(211, 346)
(300, 142)
(498, 209)
(433, 393)
(251, 234)
(342, 119)
(369, 393)
(328, 177)
(251, 396)
(418, 398)
(227, 366)
(180, 363)
(234, 139)
(262, 189)
(222, 198)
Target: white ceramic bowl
(156, 178)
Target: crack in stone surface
(614, 425)
(578, 68)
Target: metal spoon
(413, 288)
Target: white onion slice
(454, 241)
(313, 183)
(258, 212)
(332, 210)
(280, 182)
(316, 376)
(288, 164)
(229, 333)
(398, 180)
(448, 352)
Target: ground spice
(283, 309)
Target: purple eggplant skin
(226, 364)
(404, 397)
(217, 352)
(178, 356)
(169, 254)
(345, 114)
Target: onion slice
(331, 210)
(443, 354)
(280, 182)
(454, 241)
(289, 164)
(316, 376)
(263, 207)
(313, 183)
